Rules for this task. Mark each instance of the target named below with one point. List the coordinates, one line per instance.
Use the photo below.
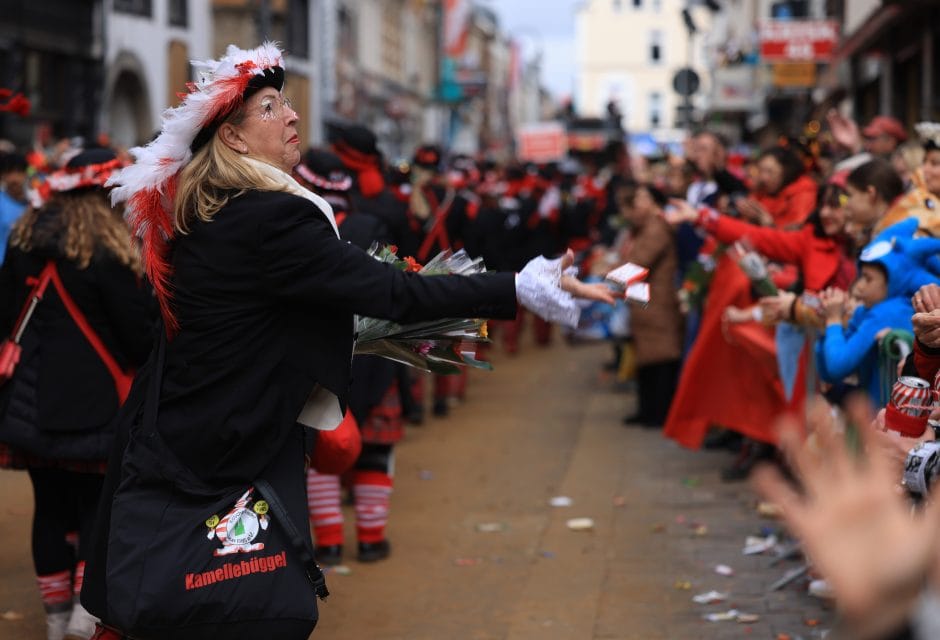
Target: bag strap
(314, 574)
(33, 300)
(122, 379)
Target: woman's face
(769, 175)
(860, 207)
(267, 131)
(932, 171)
(832, 213)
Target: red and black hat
(427, 156)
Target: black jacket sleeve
(305, 262)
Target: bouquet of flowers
(434, 345)
(698, 278)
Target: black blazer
(265, 295)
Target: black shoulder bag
(187, 560)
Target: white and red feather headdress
(148, 187)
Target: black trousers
(656, 385)
(64, 501)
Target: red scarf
(365, 165)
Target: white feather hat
(148, 186)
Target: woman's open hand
(599, 291)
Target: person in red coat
(785, 194)
(722, 384)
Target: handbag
(10, 349)
(189, 560)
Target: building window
(656, 46)
(657, 5)
(637, 4)
(348, 44)
(392, 46)
(298, 28)
(656, 109)
(618, 6)
(179, 14)
(136, 7)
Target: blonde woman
(58, 407)
(258, 294)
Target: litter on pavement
(710, 597)
(580, 524)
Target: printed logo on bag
(238, 528)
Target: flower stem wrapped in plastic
(434, 345)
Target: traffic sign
(686, 82)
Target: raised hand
(854, 523)
(844, 131)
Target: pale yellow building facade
(628, 52)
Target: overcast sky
(548, 26)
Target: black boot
(329, 555)
(374, 551)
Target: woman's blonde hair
(84, 223)
(215, 175)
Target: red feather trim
(227, 97)
(155, 227)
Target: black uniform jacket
(265, 295)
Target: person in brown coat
(657, 327)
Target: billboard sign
(798, 40)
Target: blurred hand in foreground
(854, 522)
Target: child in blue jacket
(891, 269)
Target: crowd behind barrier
(799, 282)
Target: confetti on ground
(723, 616)
(683, 585)
(710, 597)
(11, 616)
(724, 570)
(659, 527)
(691, 482)
(340, 570)
(754, 545)
(732, 615)
(784, 636)
(491, 527)
(811, 622)
(580, 524)
(467, 562)
(547, 554)
(680, 519)
(620, 501)
(700, 530)
(425, 474)
(561, 501)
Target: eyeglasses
(273, 106)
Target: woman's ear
(231, 138)
(872, 193)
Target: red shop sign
(798, 40)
